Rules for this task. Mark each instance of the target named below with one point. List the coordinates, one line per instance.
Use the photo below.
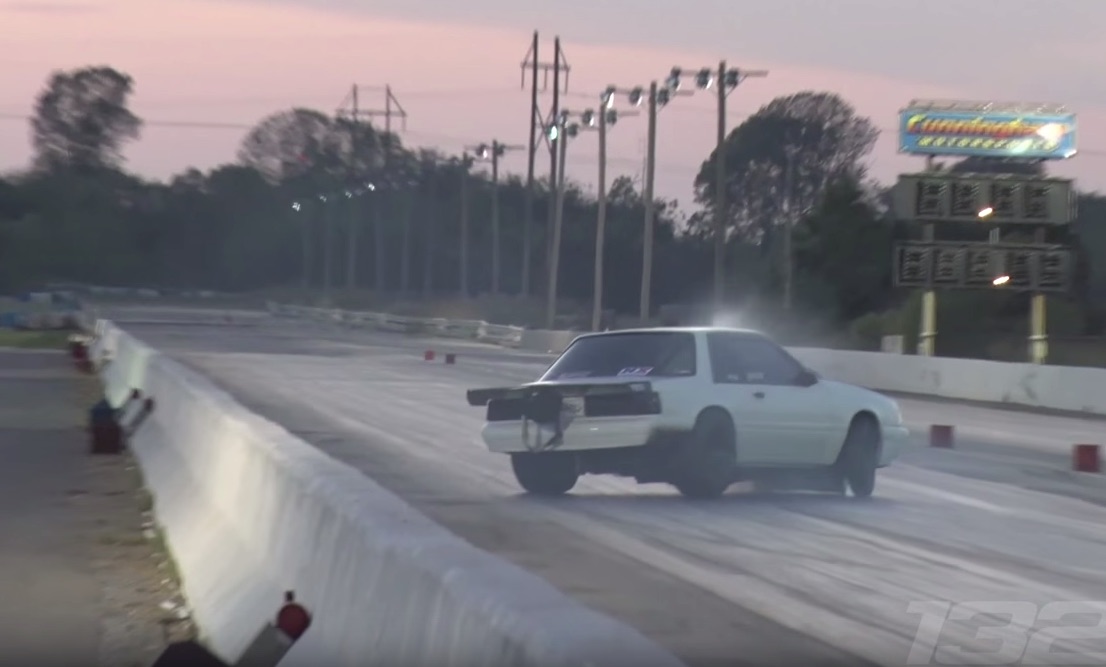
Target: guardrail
(499, 334)
(1065, 388)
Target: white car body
(777, 425)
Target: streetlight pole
(464, 165)
(727, 80)
(562, 131)
(656, 98)
(492, 152)
(303, 218)
(406, 217)
(353, 200)
(609, 116)
(648, 233)
(351, 242)
(430, 229)
(601, 218)
(329, 208)
(495, 218)
(720, 191)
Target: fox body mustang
(698, 408)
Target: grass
(40, 340)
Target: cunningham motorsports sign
(987, 129)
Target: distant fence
(39, 311)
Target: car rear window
(653, 354)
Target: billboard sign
(987, 129)
(984, 198)
(957, 265)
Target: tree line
(313, 199)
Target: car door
(780, 421)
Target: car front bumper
(894, 442)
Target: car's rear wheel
(706, 464)
(546, 473)
(859, 457)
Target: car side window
(746, 359)
(682, 362)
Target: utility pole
(492, 152)
(532, 65)
(351, 110)
(464, 164)
(648, 232)
(560, 66)
(354, 175)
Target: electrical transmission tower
(539, 74)
(350, 109)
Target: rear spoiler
(481, 397)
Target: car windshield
(653, 354)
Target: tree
(843, 252)
(11, 201)
(782, 157)
(81, 120)
(304, 177)
(294, 146)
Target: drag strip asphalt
(743, 580)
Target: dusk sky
(454, 66)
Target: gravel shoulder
(83, 573)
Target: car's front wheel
(860, 457)
(707, 462)
(545, 474)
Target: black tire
(706, 464)
(545, 474)
(859, 457)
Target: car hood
(884, 407)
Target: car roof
(691, 330)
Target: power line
(1094, 153)
(426, 136)
(201, 125)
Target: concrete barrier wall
(250, 511)
(541, 340)
(1031, 385)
